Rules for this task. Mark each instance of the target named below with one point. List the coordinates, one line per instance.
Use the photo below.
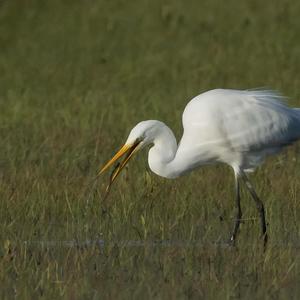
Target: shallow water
(140, 243)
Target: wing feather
(245, 121)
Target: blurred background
(75, 77)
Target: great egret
(236, 127)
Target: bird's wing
(250, 120)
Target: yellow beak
(128, 149)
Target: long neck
(168, 160)
(162, 155)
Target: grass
(76, 76)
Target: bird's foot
(265, 241)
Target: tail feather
(297, 111)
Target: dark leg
(238, 211)
(259, 206)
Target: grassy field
(75, 77)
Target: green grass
(76, 76)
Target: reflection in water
(140, 243)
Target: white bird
(236, 127)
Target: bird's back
(240, 127)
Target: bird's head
(140, 136)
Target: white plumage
(239, 128)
